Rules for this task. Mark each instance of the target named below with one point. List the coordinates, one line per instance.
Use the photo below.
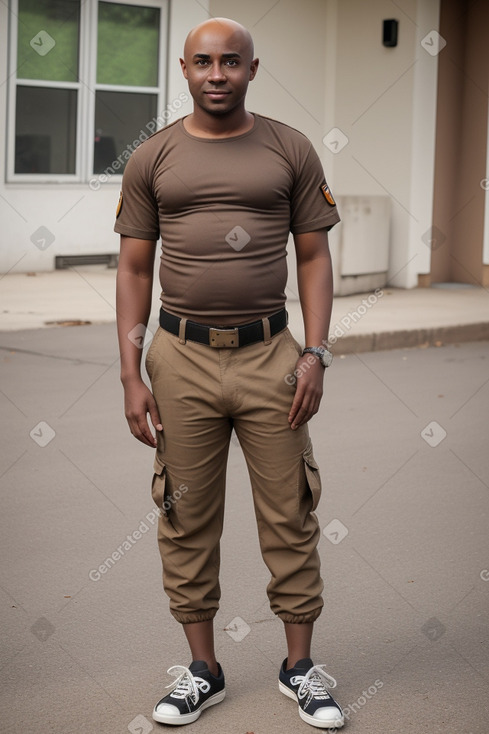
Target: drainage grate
(63, 262)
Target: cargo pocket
(158, 486)
(313, 478)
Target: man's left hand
(308, 392)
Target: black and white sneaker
(308, 684)
(194, 690)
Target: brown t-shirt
(224, 208)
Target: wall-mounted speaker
(389, 32)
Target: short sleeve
(312, 204)
(137, 212)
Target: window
(87, 76)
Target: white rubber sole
(180, 719)
(336, 724)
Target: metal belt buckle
(224, 337)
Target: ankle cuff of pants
(194, 616)
(300, 618)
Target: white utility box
(360, 244)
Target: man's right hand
(138, 402)
(133, 305)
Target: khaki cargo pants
(202, 393)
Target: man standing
(223, 188)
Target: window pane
(47, 44)
(45, 130)
(128, 40)
(119, 119)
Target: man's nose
(216, 73)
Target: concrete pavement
(401, 440)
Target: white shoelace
(315, 683)
(186, 684)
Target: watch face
(326, 358)
(324, 355)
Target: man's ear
(184, 68)
(254, 68)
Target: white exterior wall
(322, 66)
(385, 103)
(423, 135)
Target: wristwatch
(323, 354)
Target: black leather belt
(227, 336)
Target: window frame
(86, 87)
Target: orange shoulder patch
(328, 195)
(119, 206)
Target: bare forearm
(315, 282)
(133, 302)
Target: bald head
(218, 64)
(219, 31)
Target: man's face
(218, 65)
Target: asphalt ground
(401, 440)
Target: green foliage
(61, 20)
(128, 38)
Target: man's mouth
(216, 93)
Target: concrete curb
(410, 338)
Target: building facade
(401, 127)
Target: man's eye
(232, 62)
(202, 62)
